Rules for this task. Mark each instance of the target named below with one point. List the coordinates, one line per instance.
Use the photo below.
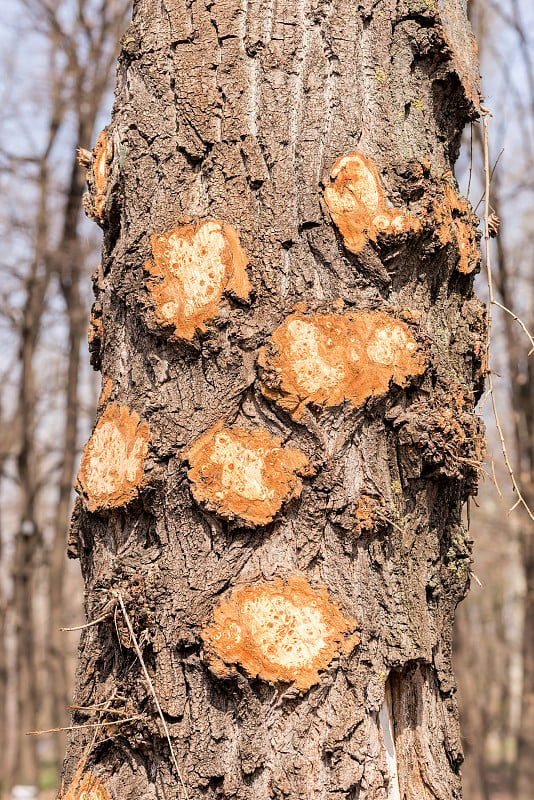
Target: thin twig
(152, 691)
(495, 481)
(483, 401)
(88, 624)
(477, 580)
(86, 725)
(513, 508)
(470, 462)
(87, 750)
(520, 499)
(389, 521)
(520, 322)
(103, 706)
(486, 190)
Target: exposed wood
(111, 472)
(326, 359)
(281, 634)
(244, 474)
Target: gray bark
(237, 113)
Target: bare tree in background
(78, 43)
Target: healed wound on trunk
(244, 474)
(455, 224)
(279, 633)
(358, 207)
(192, 267)
(326, 359)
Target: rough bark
(237, 114)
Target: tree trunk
(273, 490)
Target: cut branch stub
(89, 788)
(238, 473)
(326, 359)
(111, 470)
(358, 207)
(278, 633)
(192, 266)
(456, 222)
(100, 172)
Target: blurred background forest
(58, 66)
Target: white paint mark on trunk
(385, 718)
